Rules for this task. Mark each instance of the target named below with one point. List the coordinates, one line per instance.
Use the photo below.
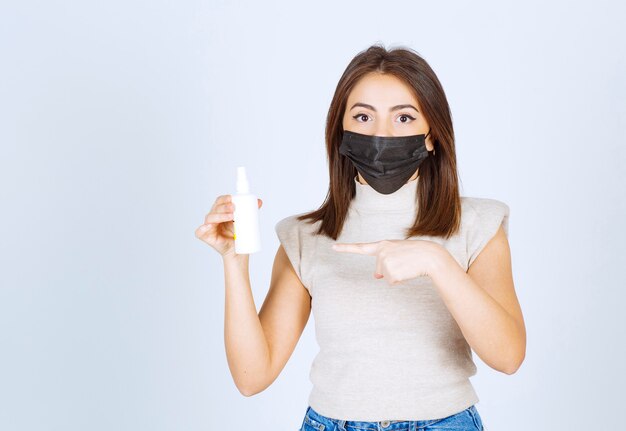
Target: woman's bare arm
(259, 345)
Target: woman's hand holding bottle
(217, 230)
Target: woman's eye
(357, 116)
(405, 116)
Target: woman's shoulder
(474, 207)
(291, 224)
(482, 216)
(296, 237)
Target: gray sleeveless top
(386, 352)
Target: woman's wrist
(234, 260)
(441, 261)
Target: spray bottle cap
(242, 180)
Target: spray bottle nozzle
(242, 180)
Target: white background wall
(122, 121)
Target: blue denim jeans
(466, 420)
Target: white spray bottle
(245, 216)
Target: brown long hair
(439, 202)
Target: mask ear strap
(429, 129)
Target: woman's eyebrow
(393, 108)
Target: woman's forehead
(381, 91)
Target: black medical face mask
(386, 162)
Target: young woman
(404, 276)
